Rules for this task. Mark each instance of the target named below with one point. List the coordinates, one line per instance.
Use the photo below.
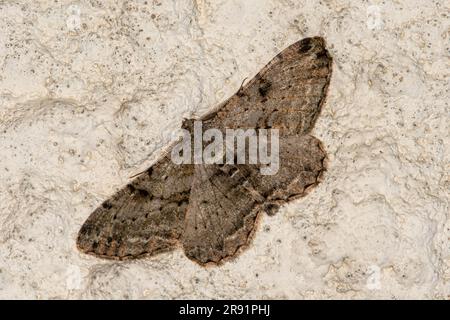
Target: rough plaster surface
(91, 91)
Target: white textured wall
(90, 91)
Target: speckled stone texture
(91, 92)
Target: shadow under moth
(211, 210)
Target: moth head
(315, 45)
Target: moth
(211, 210)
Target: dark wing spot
(265, 86)
(182, 203)
(322, 54)
(305, 45)
(131, 188)
(143, 193)
(271, 208)
(106, 205)
(86, 229)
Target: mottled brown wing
(144, 218)
(287, 94)
(226, 199)
(221, 213)
(302, 164)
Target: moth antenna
(138, 174)
(239, 92)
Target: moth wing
(221, 213)
(287, 94)
(302, 162)
(225, 200)
(144, 218)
